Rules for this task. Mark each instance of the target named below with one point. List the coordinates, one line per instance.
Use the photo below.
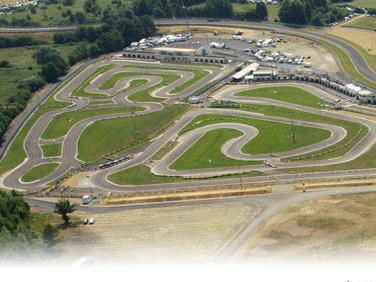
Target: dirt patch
(362, 37)
(324, 228)
(183, 195)
(334, 184)
(195, 231)
(74, 179)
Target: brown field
(3, 2)
(196, 231)
(364, 38)
(337, 227)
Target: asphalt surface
(354, 55)
(232, 148)
(69, 142)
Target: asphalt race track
(232, 148)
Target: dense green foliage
(17, 41)
(23, 233)
(53, 65)
(315, 12)
(16, 235)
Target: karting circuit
(156, 121)
(227, 124)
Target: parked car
(85, 221)
(91, 220)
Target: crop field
(368, 22)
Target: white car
(91, 220)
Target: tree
(110, 41)
(293, 12)
(94, 51)
(63, 207)
(261, 11)
(49, 236)
(219, 8)
(53, 65)
(80, 17)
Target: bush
(4, 64)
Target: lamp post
(292, 136)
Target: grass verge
(51, 150)
(352, 128)
(38, 172)
(206, 152)
(123, 132)
(62, 123)
(141, 175)
(288, 94)
(273, 137)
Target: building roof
(247, 70)
(170, 49)
(366, 93)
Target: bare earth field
(320, 57)
(338, 227)
(361, 37)
(196, 232)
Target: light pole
(292, 136)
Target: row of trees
(113, 36)
(18, 41)
(17, 237)
(315, 12)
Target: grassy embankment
(62, 123)
(369, 58)
(273, 137)
(123, 132)
(51, 150)
(38, 172)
